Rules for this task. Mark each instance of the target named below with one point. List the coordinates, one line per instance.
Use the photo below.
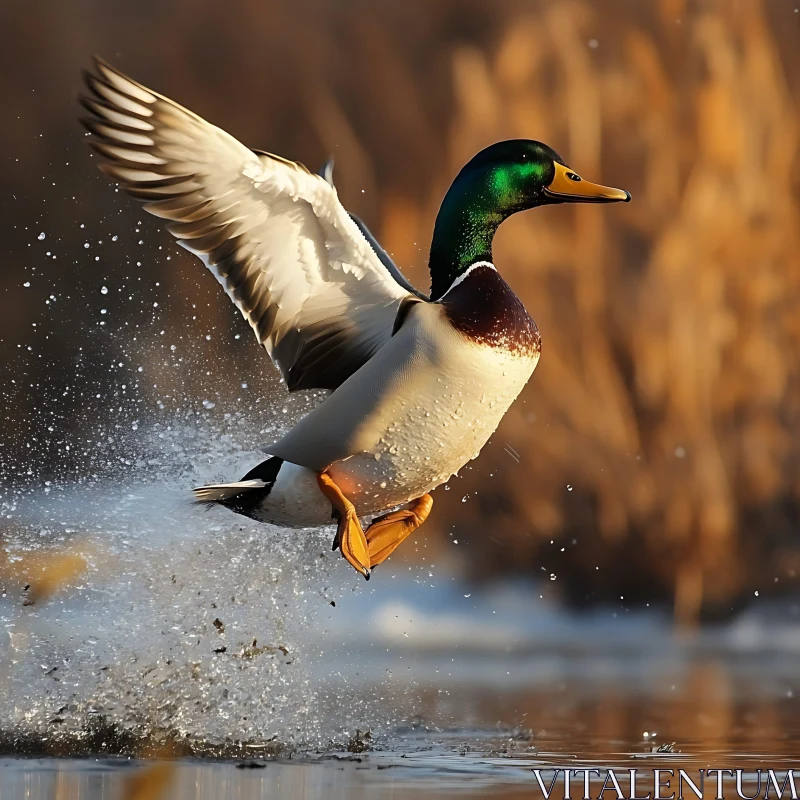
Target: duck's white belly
(439, 407)
(434, 432)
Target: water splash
(186, 619)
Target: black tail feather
(266, 471)
(243, 499)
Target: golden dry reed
(39, 574)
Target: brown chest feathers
(483, 308)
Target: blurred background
(655, 454)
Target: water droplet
(208, 404)
(103, 290)
(569, 487)
(27, 284)
(552, 576)
(40, 237)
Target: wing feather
(315, 290)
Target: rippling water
(713, 719)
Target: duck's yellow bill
(567, 186)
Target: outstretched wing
(275, 235)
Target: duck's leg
(349, 536)
(388, 531)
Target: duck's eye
(573, 177)
(523, 157)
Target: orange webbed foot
(349, 535)
(387, 532)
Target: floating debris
(359, 743)
(254, 650)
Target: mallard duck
(417, 383)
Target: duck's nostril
(573, 177)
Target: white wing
(274, 234)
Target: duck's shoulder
(483, 307)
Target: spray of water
(186, 620)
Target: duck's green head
(518, 174)
(501, 180)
